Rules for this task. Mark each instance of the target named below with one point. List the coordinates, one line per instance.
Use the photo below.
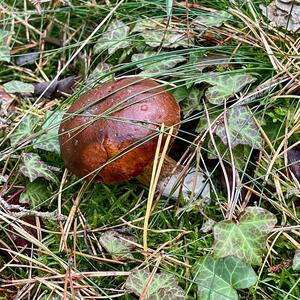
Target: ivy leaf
(116, 246)
(242, 129)
(155, 33)
(218, 279)
(156, 64)
(245, 239)
(49, 140)
(36, 193)
(224, 85)
(296, 261)
(16, 86)
(210, 19)
(190, 99)
(4, 48)
(192, 102)
(115, 38)
(33, 167)
(24, 130)
(240, 153)
(100, 71)
(163, 287)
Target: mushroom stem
(172, 181)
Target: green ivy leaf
(4, 48)
(101, 70)
(49, 140)
(36, 193)
(190, 99)
(16, 86)
(224, 85)
(156, 34)
(24, 130)
(245, 239)
(115, 38)
(192, 102)
(218, 279)
(240, 153)
(241, 128)
(116, 246)
(33, 167)
(163, 287)
(296, 261)
(156, 64)
(210, 19)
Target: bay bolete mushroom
(109, 134)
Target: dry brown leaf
(6, 100)
(283, 13)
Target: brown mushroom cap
(111, 119)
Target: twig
(23, 212)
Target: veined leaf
(156, 64)
(100, 70)
(190, 99)
(116, 246)
(24, 130)
(224, 85)
(210, 19)
(16, 86)
(240, 153)
(155, 34)
(33, 167)
(49, 140)
(245, 239)
(163, 287)
(115, 38)
(218, 279)
(36, 193)
(242, 129)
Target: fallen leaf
(15, 205)
(16, 86)
(113, 242)
(27, 58)
(283, 13)
(163, 287)
(6, 100)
